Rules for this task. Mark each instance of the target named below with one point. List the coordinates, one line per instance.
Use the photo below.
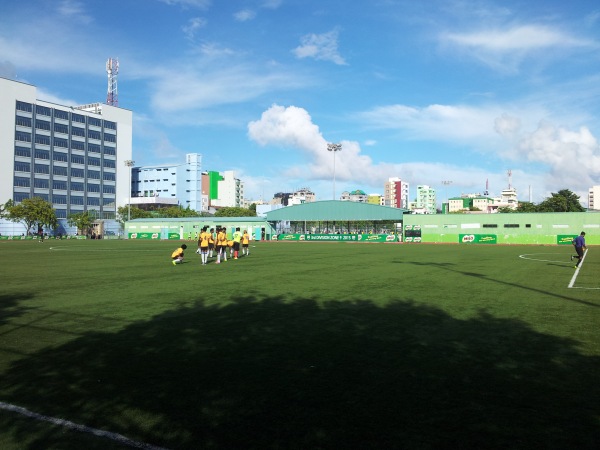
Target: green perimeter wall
(507, 228)
(181, 228)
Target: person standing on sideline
(204, 238)
(237, 238)
(245, 243)
(177, 255)
(579, 244)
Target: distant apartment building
(396, 193)
(594, 198)
(71, 156)
(303, 195)
(223, 189)
(173, 184)
(375, 199)
(471, 203)
(426, 202)
(354, 196)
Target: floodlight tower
(112, 69)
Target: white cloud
(193, 25)
(244, 15)
(505, 49)
(271, 4)
(199, 4)
(74, 10)
(322, 47)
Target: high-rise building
(224, 190)
(395, 193)
(72, 156)
(170, 184)
(426, 199)
(594, 198)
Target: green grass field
(300, 346)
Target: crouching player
(177, 255)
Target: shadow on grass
(9, 306)
(267, 373)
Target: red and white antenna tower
(112, 69)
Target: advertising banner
(146, 235)
(339, 237)
(565, 239)
(477, 239)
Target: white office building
(172, 184)
(594, 198)
(72, 156)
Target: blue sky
(427, 91)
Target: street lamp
(447, 183)
(129, 163)
(331, 147)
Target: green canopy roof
(333, 210)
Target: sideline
(81, 428)
(574, 278)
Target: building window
(109, 151)
(42, 125)
(110, 137)
(93, 187)
(22, 136)
(59, 199)
(94, 135)
(77, 118)
(94, 121)
(76, 200)
(42, 196)
(62, 143)
(511, 225)
(41, 183)
(76, 131)
(61, 114)
(59, 184)
(77, 173)
(108, 189)
(93, 148)
(93, 201)
(61, 213)
(107, 176)
(109, 163)
(22, 106)
(61, 128)
(76, 145)
(42, 154)
(77, 159)
(22, 182)
(490, 225)
(110, 125)
(23, 151)
(93, 174)
(23, 122)
(41, 139)
(41, 168)
(58, 170)
(75, 186)
(42, 111)
(20, 196)
(108, 201)
(93, 161)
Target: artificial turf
(300, 346)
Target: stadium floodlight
(332, 147)
(129, 164)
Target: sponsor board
(477, 239)
(145, 236)
(338, 237)
(565, 239)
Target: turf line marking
(77, 427)
(574, 278)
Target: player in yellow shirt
(221, 245)
(177, 255)
(211, 242)
(204, 239)
(245, 243)
(237, 238)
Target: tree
(235, 212)
(33, 211)
(527, 207)
(5, 207)
(83, 221)
(136, 213)
(562, 201)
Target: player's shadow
(269, 373)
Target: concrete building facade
(71, 156)
(396, 193)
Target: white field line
(77, 427)
(574, 278)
